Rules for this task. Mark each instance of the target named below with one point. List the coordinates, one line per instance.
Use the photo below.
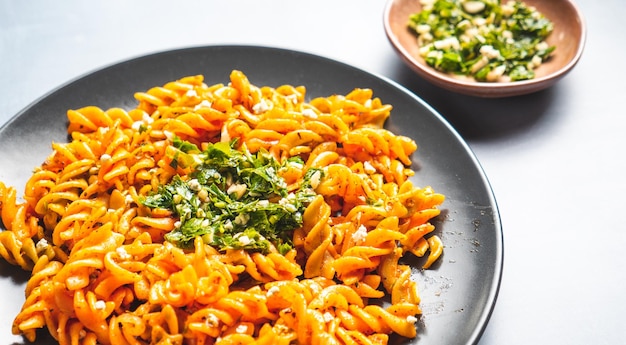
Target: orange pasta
(110, 267)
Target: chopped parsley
(482, 38)
(233, 199)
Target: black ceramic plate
(458, 292)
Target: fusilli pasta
(103, 267)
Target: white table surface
(556, 159)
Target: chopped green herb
(482, 38)
(233, 199)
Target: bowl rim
(484, 89)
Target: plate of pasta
(239, 195)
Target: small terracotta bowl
(568, 36)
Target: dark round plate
(458, 292)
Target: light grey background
(555, 159)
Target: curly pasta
(102, 271)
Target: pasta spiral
(104, 272)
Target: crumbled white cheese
(100, 305)
(203, 104)
(293, 98)
(310, 113)
(473, 7)
(237, 189)
(424, 50)
(436, 54)
(242, 219)
(360, 234)
(508, 9)
(490, 52)
(479, 64)
(422, 28)
(146, 118)
(122, 253)
(316, 179)
(447, 43)
(296, 165)
(194, 185)
(228, 225)
(411, 319)
(535, 61)
(261, 107)
(427, 5)
(273, 290)
(244, 240)
(542, 45)
(105, 157)
(41, 245)
(496, 73)
(212, 320)
(136, 125)
(203, 195)
(191, 93)
(242, 328)
(369, 168)
(479, 21)
(425, 39)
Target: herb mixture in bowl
(484, 39)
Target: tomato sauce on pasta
(103, 271)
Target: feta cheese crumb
(212, 320)
(228, 225)
(242, 219)
(147, 119)
(241, 328)
(203, 104)
(41, 245)
(369, 168)
(496, 73)
(100, 305)
(360, 234)
(194, 185)
(123, 254)
(273, 290)
(261, 107)
(447, 43)
(316, 179)
(328, 317)
(244, 240)
(237, 189)
(535, 61)
(480, 64)
(310, 113)
(473, 7)
(191, 93)
(411, 319)
(422, 28)
(542, 45)
(490, 52)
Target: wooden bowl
(568, 36)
